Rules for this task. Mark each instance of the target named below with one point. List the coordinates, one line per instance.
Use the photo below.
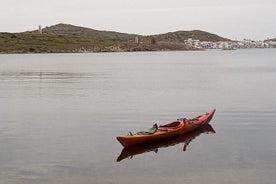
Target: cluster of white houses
(229, 44)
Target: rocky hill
(67, 29)
(70, 38)
(180, 36)
(176, 37)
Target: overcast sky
(234, 19)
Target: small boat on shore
(175, 128)
(129, 152)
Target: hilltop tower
(39, 29)
(136, 39)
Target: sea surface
(60, 115)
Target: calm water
(60, 114)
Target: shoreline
(125, 51)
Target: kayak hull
(167, 131)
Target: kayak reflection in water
(129, 152)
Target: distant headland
(66, 38)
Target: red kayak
(129, 152)
(172, 129)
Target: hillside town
(229, 45)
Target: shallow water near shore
(60, 115)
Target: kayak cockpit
(173, 125)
